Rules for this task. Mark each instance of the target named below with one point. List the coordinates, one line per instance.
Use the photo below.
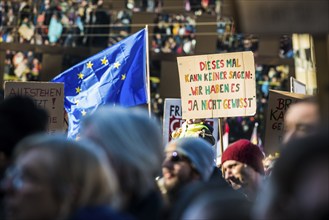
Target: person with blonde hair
(133, 143)
(56, 178)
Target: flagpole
(148, 71)
(220, 131)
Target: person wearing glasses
(187, 160)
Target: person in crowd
(101, 19)
(188, 160)
(53, 177)
(55, 28)
(19, 117)
(211, 201)
(21, 68)
(199, 128)
(242, 167)
(298, 186)
(133, 142)
(26, 30)
(269, 162)
(301, 119)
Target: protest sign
(172, 119)
(278, 104)
(297, 86)
(46, 95)
(217, 85)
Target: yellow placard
(217, 85)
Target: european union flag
(116, 75)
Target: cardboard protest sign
(172, 119)
(217, 85)
(46, 95)
(278, 104)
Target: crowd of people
(46, 22)
(174, 34)
(77, 22)
(119, 169)
(22, 66)
(81, 23)
(88, 23)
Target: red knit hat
(245, 152)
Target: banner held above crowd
(116, 75)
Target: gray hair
(80, 169)
(133, 143)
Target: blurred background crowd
(90, 23)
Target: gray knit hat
(198, 151)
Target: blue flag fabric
(116, 75)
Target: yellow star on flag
(116, 65)
(76, 101)
(80, 75)
(78, 90)
(83, 112)
(89, 65)
(104, 61)
(123, 76)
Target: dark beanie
(245, 152)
